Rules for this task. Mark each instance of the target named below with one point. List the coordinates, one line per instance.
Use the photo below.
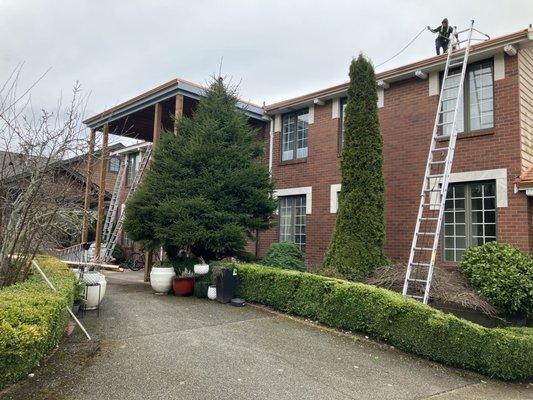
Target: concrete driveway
(165, 347)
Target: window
(469, 217)
(292, 219)
(343, 117)
(132, 167)
(476, 109)
(294, 135)
(114, 165)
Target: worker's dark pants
(441, 42)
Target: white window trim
(311, 118)
(336, 108)
(499, 66)
(306, 190)
(381, 97)
(333, 197)
(433, 83)
(499, 175)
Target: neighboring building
(492, 173)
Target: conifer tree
(357, 243)
(207, 190)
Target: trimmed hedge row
(33, 318)
(405, 323)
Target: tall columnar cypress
(207, 190)
(357, 243)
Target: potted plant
(79, 295)
(161, 277)
(183, 284)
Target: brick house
(492, 174)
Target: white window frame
(334, 191)
(306, 190)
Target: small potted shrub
(161, 277)
(79, 296)
(183, 283)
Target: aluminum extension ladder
(112, 240)
(425, 242)
(113, 204)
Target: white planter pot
(201, 269)
(91, 293)
(161, 279)
(212, 292)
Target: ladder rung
(429, 218)
(440, 149)
(435, 176)
(444, 123)
(431, 204)
(426, 233)
(446, 111)
(452, 87)
(418, 264)
(455, 65)
(415, 296)
(424, 248)
(417, 280)
(431, 190)
(438, 162)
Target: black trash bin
(225, 281)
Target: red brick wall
(406, 124)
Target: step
(417, 280)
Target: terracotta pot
(183, 286)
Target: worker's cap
(445, 21)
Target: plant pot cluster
(163, 279)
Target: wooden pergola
(142, 117)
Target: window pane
(288, 137)
(449, 99)
(454, 224)
(303, 122)
(481, 96)
(483, 213)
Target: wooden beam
(158, 113)
(178, 112)
(148, 262)
(101, 193)
(88, 191)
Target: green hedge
(33, 318)
(405, 323)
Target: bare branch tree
(39, 196)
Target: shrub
(402, 322)
(33, 318)
(286, 255)
(502, 274)
(357, 242)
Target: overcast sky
(277, 49)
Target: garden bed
(402, 322)
(33, 318)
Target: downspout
(271, 146)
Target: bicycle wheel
(137, 261)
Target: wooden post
(148, 262)
(178, 112)
(158, 113)
(101, 193)
(88, 191)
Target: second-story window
(114, 165)
(132, 167)
(476, 107)
(344, 101)
(294, 135)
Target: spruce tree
(357, 243)
(207, 190)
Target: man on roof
(443, 38)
